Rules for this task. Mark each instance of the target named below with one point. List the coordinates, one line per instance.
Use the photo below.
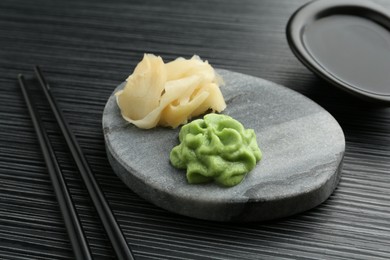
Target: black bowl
(347, 43)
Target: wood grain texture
(86, 48)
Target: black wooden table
(87, 47)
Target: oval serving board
(302, 144)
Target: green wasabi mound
(216, 148)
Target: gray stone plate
(302, 145)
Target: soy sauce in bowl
(345, 42)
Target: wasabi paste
(217, 148)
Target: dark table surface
(86, 48)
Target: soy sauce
(354, 49)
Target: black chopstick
(72, 222)
(110, 224)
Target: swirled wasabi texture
(217, 148)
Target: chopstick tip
(21, 78)
(41, 78)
